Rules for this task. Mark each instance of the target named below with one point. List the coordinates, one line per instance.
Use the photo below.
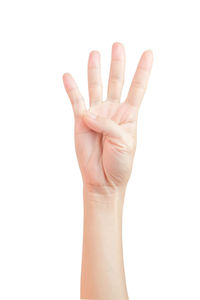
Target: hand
(105, 145)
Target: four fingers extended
(116, 79)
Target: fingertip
(146, 59)
(94, 58)
(117, 50)
(68, 81)
(149, 52)
(95, 52)
(117, 44)
(66, 74)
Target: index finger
(140, 80)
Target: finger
(74, 94)
(116, 76)
(140, 80)
(94, 78)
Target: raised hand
(106, 134)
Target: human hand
(105, 145)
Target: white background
(40, 182)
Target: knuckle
(116, 80)
(139, 85)
(95, 84)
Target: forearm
(102, 275)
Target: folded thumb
(102, 125)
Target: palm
(106, 159)
(98, 156)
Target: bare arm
(105, 146)
(102, 261)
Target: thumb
(102, 125)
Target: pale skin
(105, 143)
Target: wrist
(103, 194)
(104, 191)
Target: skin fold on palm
(106, 134)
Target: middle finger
(116, 76)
